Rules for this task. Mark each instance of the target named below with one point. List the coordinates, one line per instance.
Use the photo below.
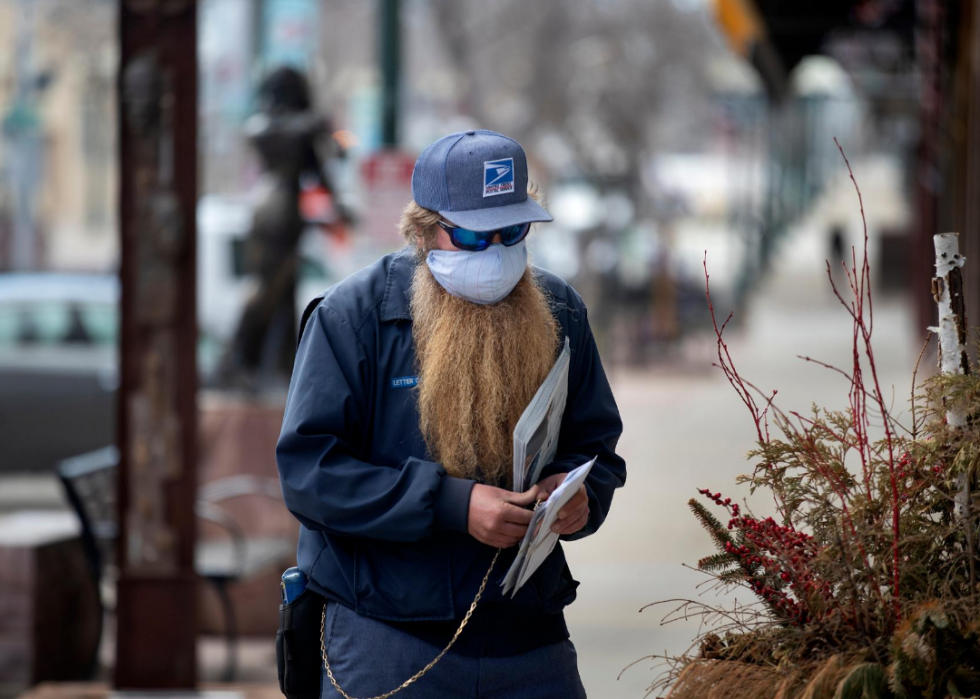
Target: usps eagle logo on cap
(498, 177)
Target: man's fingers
(549, 484)
(570, 512)
(508, 525)
(577, 503)
(524, 499)
(570, 526)
(518, 515)
(510, 530)
(577, 524)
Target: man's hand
(575, 514)
(497, 517)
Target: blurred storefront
(57, 135)
(916, 65)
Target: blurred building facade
(57, 142)
(656, 129)
(916, 66)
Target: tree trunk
(947, 290)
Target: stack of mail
(536, 433)
(540, 540)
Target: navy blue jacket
(384, 528)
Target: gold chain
(420, 673)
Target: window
(57, 323)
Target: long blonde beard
(479, 366)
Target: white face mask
(479, 277)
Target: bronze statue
(287, 135)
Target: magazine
(540, 540)
(536, 433)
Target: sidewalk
(23, 491)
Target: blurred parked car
(59, 336)
(58, 367)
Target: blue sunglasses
(477, 241)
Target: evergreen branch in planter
(869, 574)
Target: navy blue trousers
(369, 657)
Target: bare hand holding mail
(540, 539)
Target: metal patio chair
(89, 481)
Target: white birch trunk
(952, 323)
(947, 290)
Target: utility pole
(157, 428)
(390, 70)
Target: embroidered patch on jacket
(405, 382)
(498, 177)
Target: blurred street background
(149, 293)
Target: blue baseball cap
(477, 180)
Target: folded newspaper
(536, 433)
(540, 540)
(535, 444)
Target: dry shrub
(727, 679)
(724, 679)
(867, 579)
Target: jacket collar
(395, 304)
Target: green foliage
(892, 564)
(933, 656)
(721, 562)
(868, 578)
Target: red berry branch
(777, 557)
(783, 552)
(873, 551)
